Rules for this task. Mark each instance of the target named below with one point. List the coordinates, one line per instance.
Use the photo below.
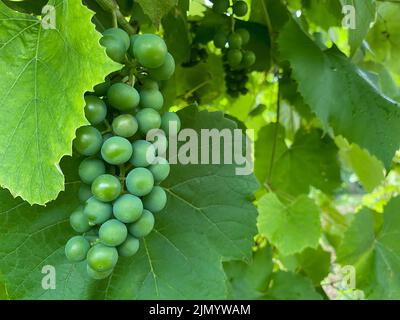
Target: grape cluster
(121, 172)
(237, 60)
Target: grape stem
(118, 18)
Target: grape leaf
(156, 9)
(309, 161)
(365, 11)
(341, 96)
(285, 225)
(291, 286)
(250, 280)
(209, 219)
(368, 169)
(46, 72)
(325, 13)
(372, 246)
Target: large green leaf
(290, 228)
(45, 74)
(340, 94)
(373, 248)
(365, 11)
(324, 13)
(209, 219)
(250, 280)
(309, 161)
(291, 286)
(156, 9)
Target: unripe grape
(170, 118)
(140, 182)
(249, 58)
(119, 34)
(116, 150)
(123, 97)
(76, 249)
(143, 226)
(84, 192)
(148, 119)
(166, 70)
(97, 211)
(244, 34)
(125, 125)
(129, 247)
(160, 169)
(113, 232)
(97, 275)
(150, 50)
(143, 153)
(79, 221)
(240, 8)
(102, 258)
(156, 200)
(234, 57)
(106, 188)
(235, 40)
(89, 169)
(128, 208)
(95, 109)
(101, 89)
(151, 99)
(88, 141)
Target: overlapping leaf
(209, 218)
(45, 73)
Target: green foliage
(39, 87)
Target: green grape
(249, 58)
(76, 249)
(84, 192)
(125, 125)
(78, 220)
(221, 6)
(113, 233)
(156, 200)
(90, 169)
(143, 226)
(119, 34)
(170, 118)
(160, 169)
(115, 48)
(150, 50)
(101, 89)
(132, 39)
(116, 150)
(97, 275)
(97, 211)
(128, 208)
(129, 247)
(234, 57)
(220, 40)
(151, 99)
(123, 97)
(106, 188)
(95, 109)
(235, 40)
(148, 119)
(166, 71)
(240, 8)
(139, 182)
(150, 84)
(88, 141)
(143, 153)
(102, 258)
(244, 34)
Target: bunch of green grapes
(237, 60)
(121, 171)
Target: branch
(112, 7)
